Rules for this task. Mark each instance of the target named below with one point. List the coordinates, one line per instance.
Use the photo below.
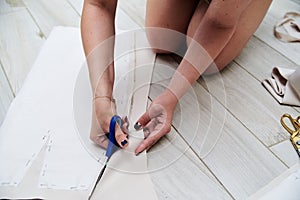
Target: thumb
(121, 137)
(142, 121)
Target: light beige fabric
(288, 29)
(284, 85)
(126, 175)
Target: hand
(103, 110)
(157, 120)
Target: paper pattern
(42, 114)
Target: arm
(97, 30)
(213, 33)
(97, 26)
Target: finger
(152, 139)
(149, 128)
(142, 121)
(125, 125)
(121, 137)
(102, 141)
(146, 144)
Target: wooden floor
(227, 125)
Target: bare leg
(248, 23)
(171, 14)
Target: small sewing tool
(294, 130)
(112, 147)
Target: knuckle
(93, 138)
(168, 129)
(152, 140)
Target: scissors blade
(98, 178)
(111, 149)
(296, 143)
(298, 152)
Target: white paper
(288, 189)
(42, 107)
(43, 114)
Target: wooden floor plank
(296, 1)
(123, 22)
(164, 66)
(135, 9)
(6, 95)
(181, 176)
(10, 6)
(286, 153)
(265, 30)
(19, 45)
(48, 14)
(248, 101)
(238, 159)
(259, 59)
(176, 170)
(77, 4)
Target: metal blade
(98, 179)
(298, 152)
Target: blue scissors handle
(112, 142)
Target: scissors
(112, 147)
(294, 131)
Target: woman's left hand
(157, 120)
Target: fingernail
(137, 126)
(124, 142)
(137, 154)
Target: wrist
(170, 96)
(104, 88)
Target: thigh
(169, 14)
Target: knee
(163, 40)
(215, 67)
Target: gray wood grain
(237, 158)
(19, 45)
(183, 175)
(177, 171)
(250, 103)
(296, 1)
(286, 152)
(259, 59)
(265, 31)
(7, 6)
(48, 14)
(134, 9)
(77, 4)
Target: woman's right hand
(104, 109)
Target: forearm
(97, 29)
(211, 36)
(203, 49)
